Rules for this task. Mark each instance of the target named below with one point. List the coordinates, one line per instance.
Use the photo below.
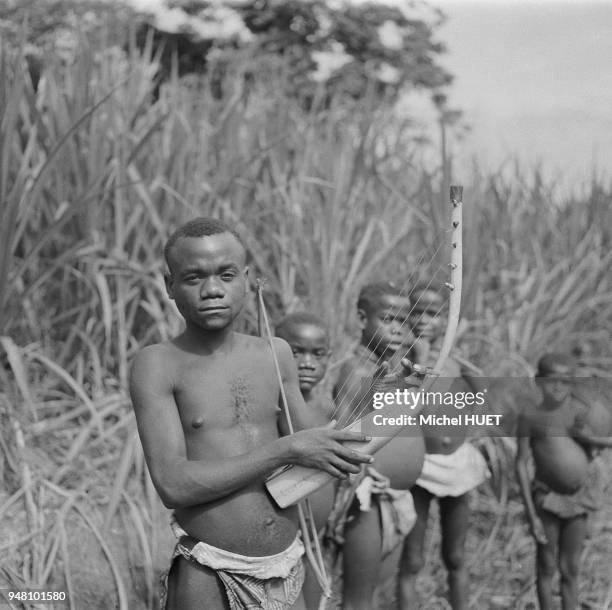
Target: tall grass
(98, 164)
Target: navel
(197, 422)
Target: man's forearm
(187, 483)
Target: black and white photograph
(305, 304)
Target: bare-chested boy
(207, 409)
(373, 530)
(308, 338)
(452, 466)
(568, 482)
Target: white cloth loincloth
(267, 566)
(455, 473)
(269, 582)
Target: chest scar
(243, 401)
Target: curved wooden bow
(456, 277)
(308, 528)
(294, 483)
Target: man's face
(385, 325)
(310, 348)
(207, 279)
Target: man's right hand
(322, 448)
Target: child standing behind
(452, 467)
(308, 339)
(568, 482)
(384, 512)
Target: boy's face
(385, 325)
(425, 318)
(310, 346)
(426, 324)
(207, 279)
(554, 389)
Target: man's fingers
(348, 435)
(335, 472)
(356, 457)
(345, 466)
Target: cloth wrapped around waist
(455, 473)
(270, 582)
(397, 513)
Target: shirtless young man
(207, 409)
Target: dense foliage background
(110, 141)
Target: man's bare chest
(224, 393)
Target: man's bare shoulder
(285, 356)
(152, 354)
(262, 345)
(155, 362)
(259, 345)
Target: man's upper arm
(159, 425)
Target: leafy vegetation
(98, 163)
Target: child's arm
(583, 433)
(522, 474)
(585, 437)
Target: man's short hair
(371, 294)
(299, 317)
(200, 227)
(555, 365)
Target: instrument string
(345, 400)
